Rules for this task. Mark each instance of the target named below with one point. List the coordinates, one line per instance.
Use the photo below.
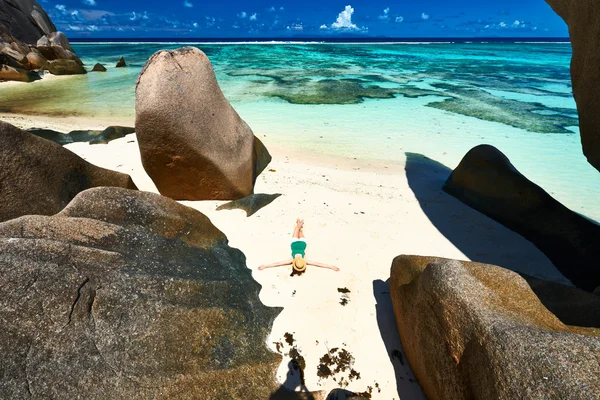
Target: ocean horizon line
(321, 40)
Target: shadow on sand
(480, 239)
(293, 380)
(406, 382)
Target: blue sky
(314, 18)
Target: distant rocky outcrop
(583, 19)
(477, 331)
(23, 21)
(40, 177)
(121, 63)
(193, 144)
(129, 295)
(99, 68)
(90, 136)
(65, 67)
(487, 181)
(8, 73)
(29, 38)
(36, 59)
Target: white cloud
(486, 27)
(92, 28)
(424, 16)
(74, 28)
(61, 8)
(272, 9)
(516, 24)
(253, 17)
(281, 8)
(344, 19)
(89, 2)
(502, 25)
(386, 14)
(188, 4)
(323, 27)
(243, 14)
(133, 17)
(399, 19)
(195, 25)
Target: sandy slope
(358, 217)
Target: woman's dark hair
(294, 272)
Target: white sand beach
(358, 217)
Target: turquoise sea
(369, 101)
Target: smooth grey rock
(193, 144)
(477, 331)
(40, 177)
(583, 19)
(487, 181)
(129, 295)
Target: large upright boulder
(38, 176)
(129, 295)
(477, 331)
(487, 181)
(583, 19)
(193, 144)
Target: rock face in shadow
(571, 305)
(127, 294)
(250, 204)
(90, 136)
(583, 19)
(24, 21)
(487, 181)
(473, 330)
(193, 144)
(40, 177)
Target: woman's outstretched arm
(276, 264)
(321, 265)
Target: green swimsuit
(298, 247)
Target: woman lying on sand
(298, 262)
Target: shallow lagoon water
(369, 101)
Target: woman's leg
(298, 229)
